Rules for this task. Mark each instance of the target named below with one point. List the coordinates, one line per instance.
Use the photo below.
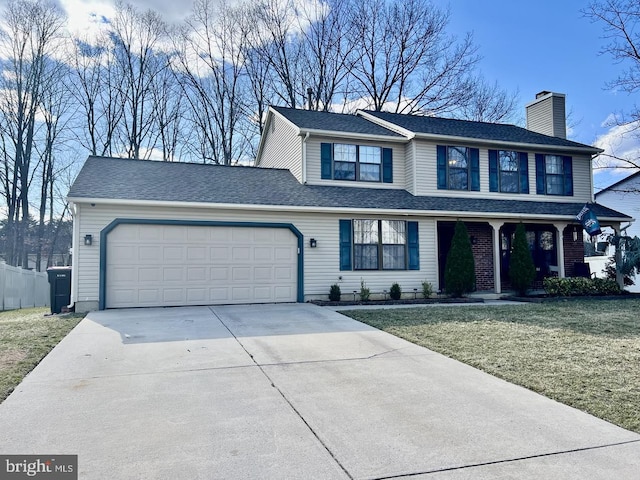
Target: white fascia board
(526, 146)
(338, 210)
(352, 135)
(383, 123)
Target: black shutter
(442, 167)
(524, 172)
(540, 174)
(474, 153)
(387, 165)
(345, 245)
(493, 171)
(326, 151)
(413, 246)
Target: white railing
(20, 288)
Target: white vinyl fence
(20, 288)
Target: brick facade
(573, 250)
(482, 246)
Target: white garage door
(168, 265)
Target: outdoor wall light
(474, 240)
(575, 234)
(88, 240)
(313, 243)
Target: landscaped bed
(584, 353)
(26, 336)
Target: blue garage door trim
(102, 301)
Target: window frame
(559, 160)
(358, 163)
(380, 245)
(467, 169)
(516, 160)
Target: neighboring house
(336, 199)
(624, 194)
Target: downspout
(75, 251)
(304, 158)
(593, 195)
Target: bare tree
(97, 92)
(213, 75)
(137, 37)
(32, 35)
(620, 20)
(405, 62)
(168, 107)
(278, 40)
(489, 103)
(326, 59)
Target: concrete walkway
(290, 391)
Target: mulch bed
(404, 301)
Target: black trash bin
(59, 287)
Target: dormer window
(361, 163)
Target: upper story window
(363, 163)
(554, 175)
(508, 171)
(458, 168)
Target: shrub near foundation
(580, 287)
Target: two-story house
(337, 198)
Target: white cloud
(87, 19)
(620, 142)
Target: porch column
(618, 257)
(496, 226)
(560, 243)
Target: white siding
(313, 164)
(409, 166)
(427, 177)
(282, 147)
(321, 264)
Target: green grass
(26, 336)
(584, 353)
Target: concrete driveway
(290, 391)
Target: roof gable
(333, 122)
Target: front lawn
(26, 336)
(584, 353)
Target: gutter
(336, 210)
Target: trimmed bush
(579, 287)
(522, 270)
(427, 289)
(365, 293)
(395, 292)
(460, 269)
(335, 293)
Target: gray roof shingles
(333, 122)
(125, 179)
(468, 129)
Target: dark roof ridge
(373, 112)
(177, 162)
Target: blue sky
(527, 46)
(549, 45)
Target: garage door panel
(219, 273)
(149, 274)
(168, 265)
(172, 274)
(239, 254)
(172, 254)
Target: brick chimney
(546, 114)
